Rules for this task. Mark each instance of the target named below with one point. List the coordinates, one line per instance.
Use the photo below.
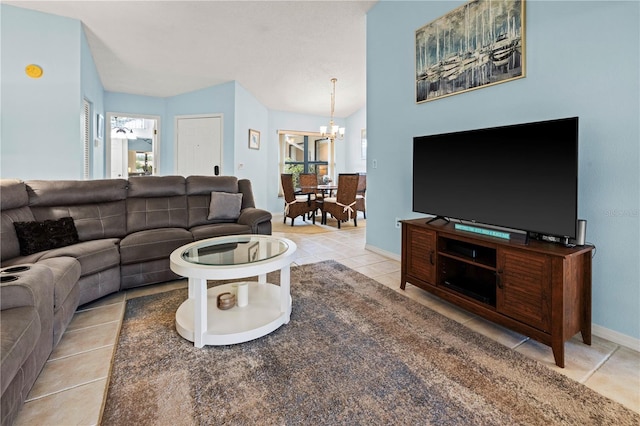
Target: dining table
(327, 189)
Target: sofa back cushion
(244, 186)
(13, 194)
(199, 189)
(14, 202)
(156, 202)
(97, 207)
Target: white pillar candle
(242, 297)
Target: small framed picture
(253, 252)
(254, 139)
(99, 126)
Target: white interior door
(118, 159)
(199, 145)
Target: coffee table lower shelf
(260, 317)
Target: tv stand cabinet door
(420, 246)
(524, 287)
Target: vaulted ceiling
(283, 52)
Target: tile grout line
(88, 327)
(604, 360)
(65, 389)
(80, 352)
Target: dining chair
(361, 200)
(309, 186)
(341, 207)
(295, 206)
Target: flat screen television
(522, 176)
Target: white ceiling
(283, 52)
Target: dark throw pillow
(49, 234)
(32, 237)
(61, 232)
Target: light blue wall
(582, 60)
(212, 100)
(93, 91)
(251, 114)
(123, 103)
(41, 134)
(218, 99)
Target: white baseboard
(385, 253)
(616, 337)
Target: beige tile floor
(72, 386)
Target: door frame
(156, 139)
(188, 116)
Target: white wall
(355, 123)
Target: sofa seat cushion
(19, 335)
(66, 273)
(94, 256)
(218, 230)
(152, 244)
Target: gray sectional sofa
(120, 236)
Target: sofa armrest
(17, 295)
(32, 288)
(253, 217)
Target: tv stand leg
(558, 352)
(433, 219)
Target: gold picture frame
(254, 139)
(479, 44)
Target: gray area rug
(355, 352)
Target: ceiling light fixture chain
(334, 132)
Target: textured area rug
(355, 352)
(307, 227)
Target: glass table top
(235, 250)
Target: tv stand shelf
(539, 289)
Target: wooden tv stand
(539, 289)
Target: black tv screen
(522, 176)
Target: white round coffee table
(200, 321)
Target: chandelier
(125, 132)
(332, 132)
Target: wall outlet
(398, 224)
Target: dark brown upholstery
(361, 200)
(342, 206)
(295, 206)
